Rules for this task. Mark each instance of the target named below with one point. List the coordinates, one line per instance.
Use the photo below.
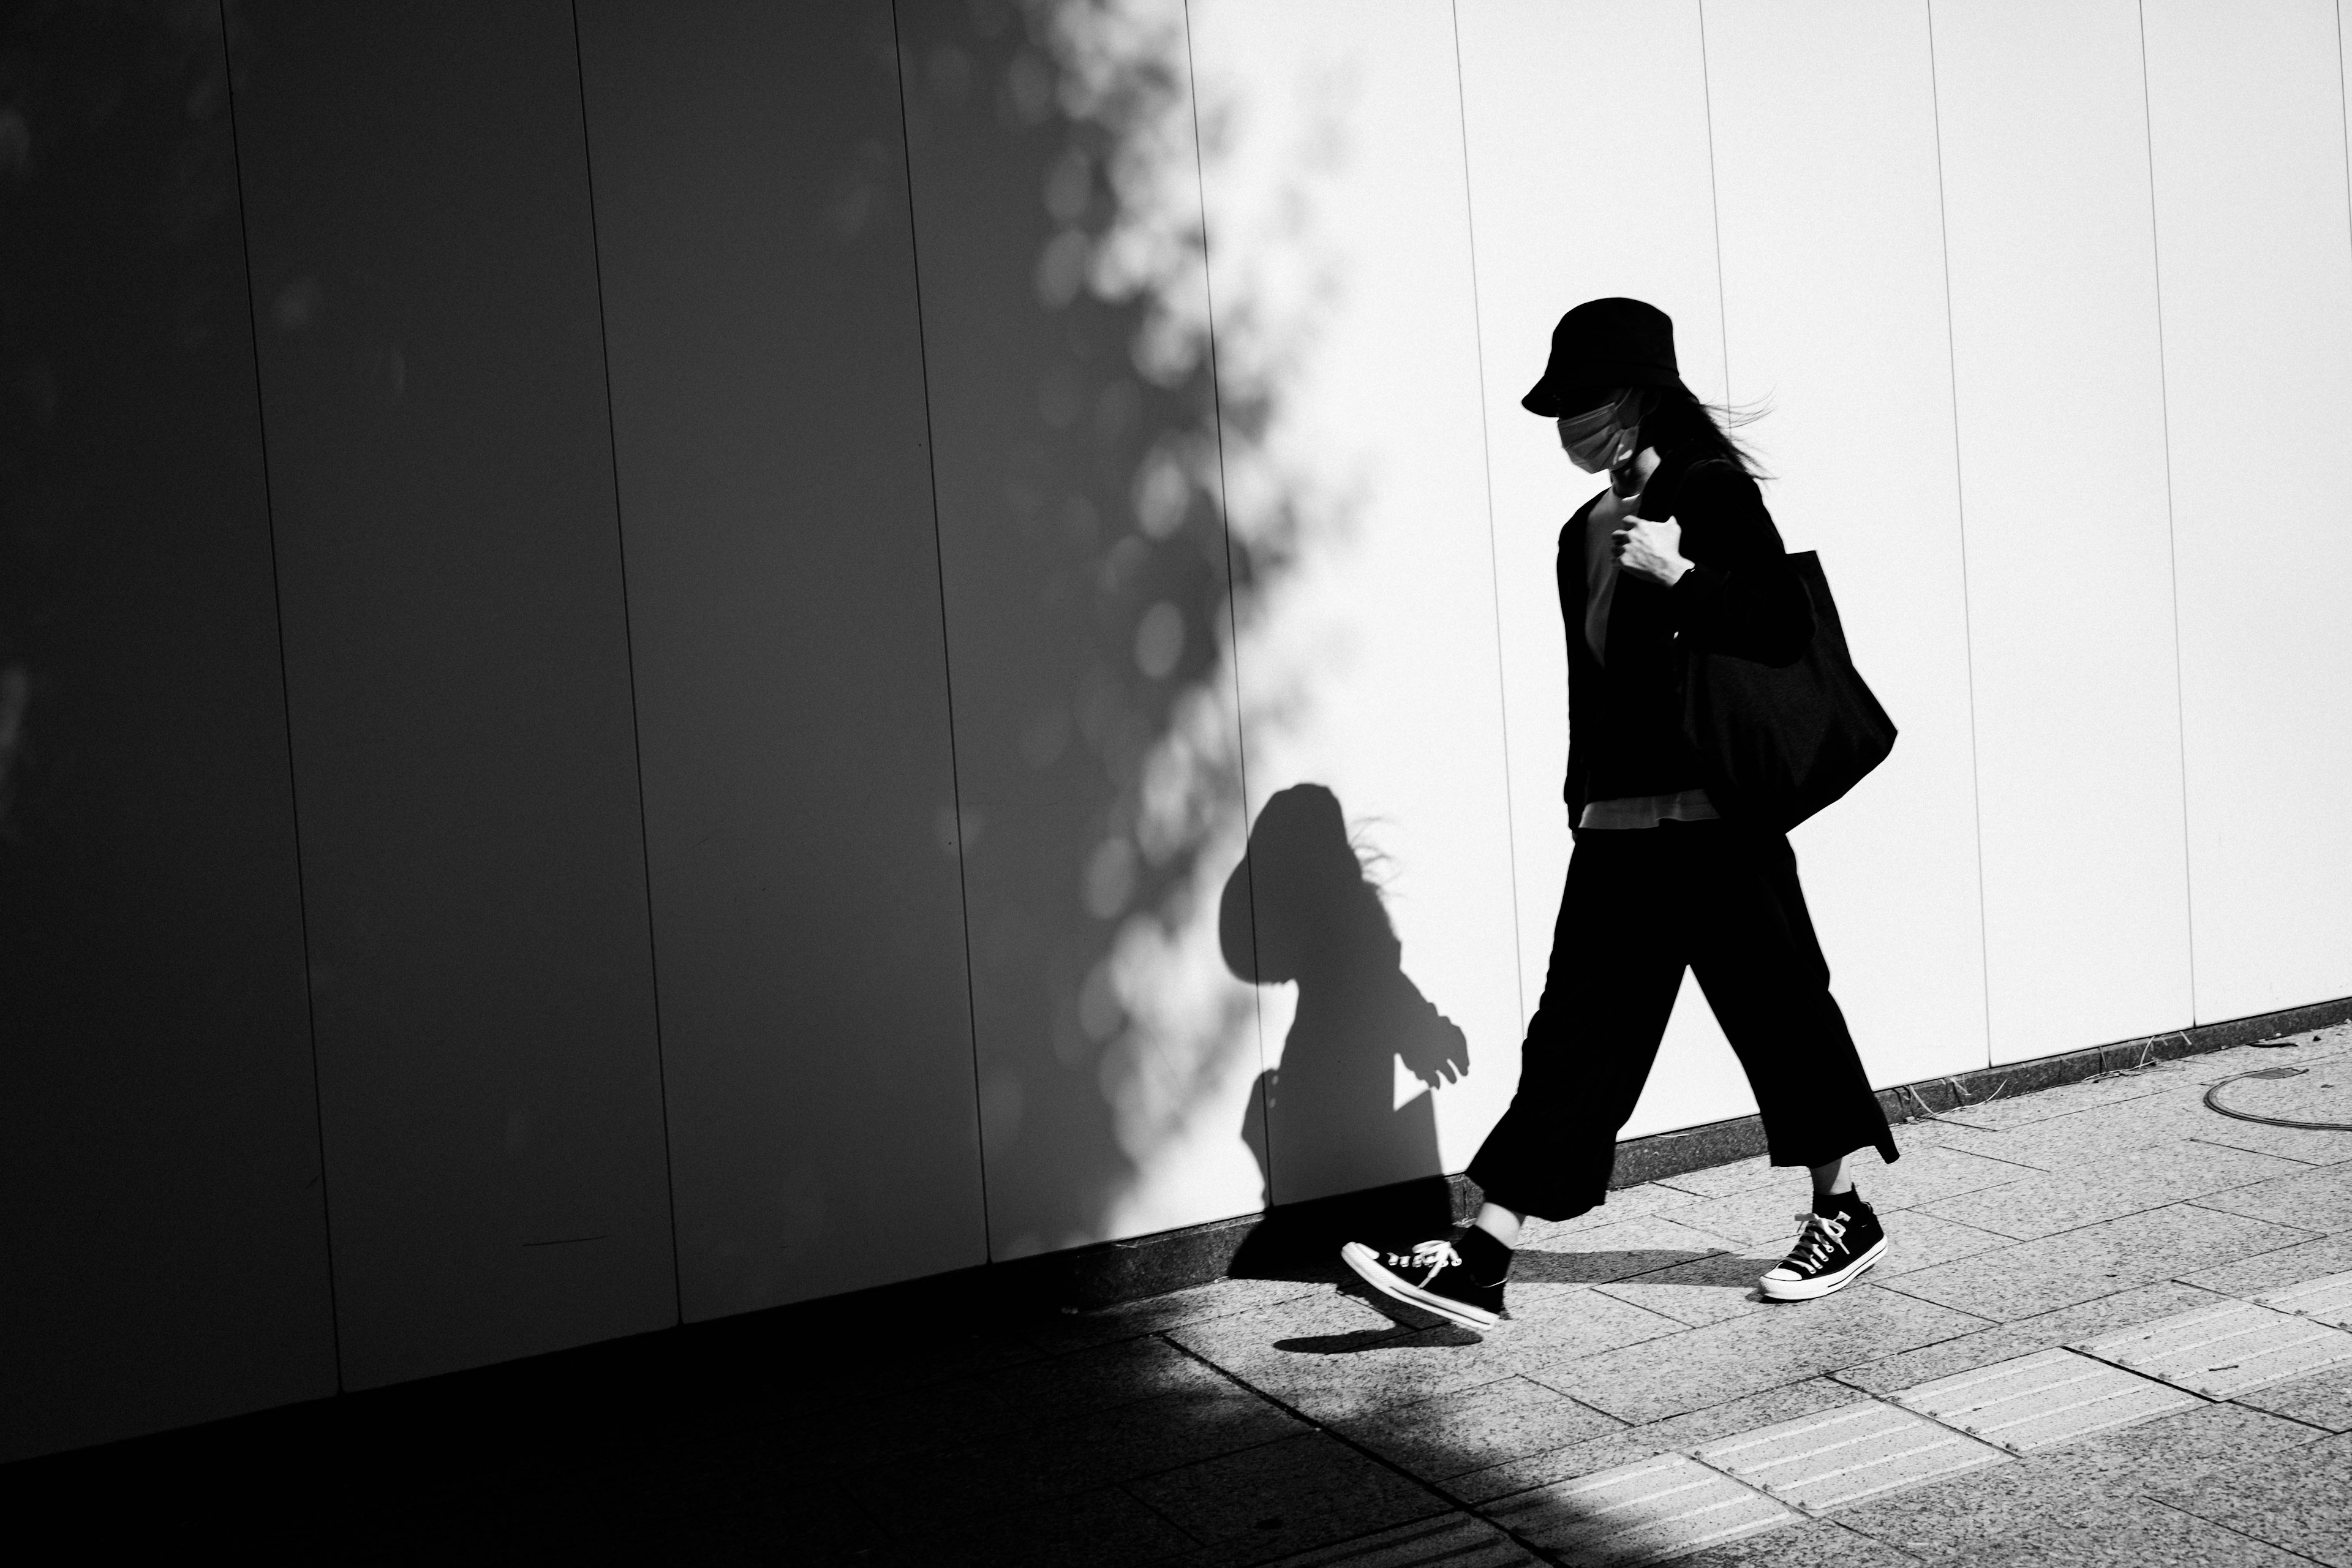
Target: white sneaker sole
(1367, 1266)
(1820, 1284)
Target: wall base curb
(1109, 1273)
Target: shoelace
(1813, 1243)
(1434, 1255)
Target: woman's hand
(1652, 548)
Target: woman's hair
(1673, 417)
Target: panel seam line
(1233, 602)
(946, 661)
(2171, 540)
(1961, 517)
(1493, 563)
(286, 703)
(629, 657)
(1714, 203)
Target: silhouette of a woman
(1299, 908)
(1659, 880)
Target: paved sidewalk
(2076, 1351)
(1261, 1421)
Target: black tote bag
(1778, 744)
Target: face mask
(1595, 441)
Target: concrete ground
(1293, 1421)
(1641, 1403)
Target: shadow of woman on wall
(1339, 1159)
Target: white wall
(1207, 401)
(1835, 309)
(1590, 176)
(2246, 117)
(1338, 242)
(2060, 377)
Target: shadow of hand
(1431, 1046)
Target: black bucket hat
(1599, 346)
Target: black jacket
(1740, 597)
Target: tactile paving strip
(1643, 1512)
(1845, 1455)
(2329, 1300)
(2223, 1351)
(2045, 1398)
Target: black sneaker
(1831, 1254)
(1430, 1277)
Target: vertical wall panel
(791, 685)
(1588, 177)
(2246, 110)
(1340, 252)
(1833, 282)
(417, 194)
(163, 1247)
(2060, 384)
(1084, 556)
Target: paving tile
(2102, 1132)
(2327, 1299)
(1647, 1512)
(1285, 1497)
(2251, 1277)
(2047, 1202)
(2223, 1351)
(1133, 1320)
(2110, 1532)
(2113, 1130)
(1549, 1322)
(2214, 1065)
(1330, 1322)
(2324, 1401)
(2001, 1110)
(1917, 1239)
(2304, 1507)
(1027, 1395)
(1646, 1441)
(1456, 1433)
(2316, 1091)
(1108, 1526)
(1718, 1181)
(2318, 1200)
(2041, 1400)
(1448, 1540)
(2141, 1304)
(1742, 1355)
(1081, 1455)
(1352, 1371)
(1935, 1132)
(1624, 1204)
(2288, 1142)
(1759, 1216)
(1707, 1291)
(1813, 1543)
(1938, 1169)
(2100, 1259)
(1618, 1251)
(1848, 1455)
(1961, 1518)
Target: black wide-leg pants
(1640, 904)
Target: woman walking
(1659, 880)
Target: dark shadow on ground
(951, 1420)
